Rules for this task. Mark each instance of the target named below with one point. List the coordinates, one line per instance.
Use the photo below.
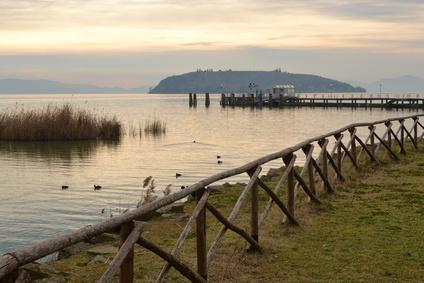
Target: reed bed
(54, 123)
(155, 127)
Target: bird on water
(65, 187)
(97, 187)
(177, 175)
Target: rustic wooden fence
(317, 171)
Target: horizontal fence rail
(324, 157)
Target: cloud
(48, 26)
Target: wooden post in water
(223, 100)
(126, 274)
(190, 99)
(202, 259)
(260, 103)
(281, 100)
(232, 99)
(243, 100)
(207, 100)
(270, 100)
(252, 100)
(194, 99)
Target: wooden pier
(250, 100)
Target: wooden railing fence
(318, 176)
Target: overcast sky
(138, 42)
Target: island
(247, 81)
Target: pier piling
(194, 100)
(207, 100)
(232, 100)
(260, 102)
(223, 100)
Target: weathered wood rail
(322, 172)
(250, 100)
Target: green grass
(371, 230)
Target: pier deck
(279, 102)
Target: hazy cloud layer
(109, 25)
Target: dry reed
(155, 127)
(54, 123)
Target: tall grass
(155, 127)
(54, 123)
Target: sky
(132, 43)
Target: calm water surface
(33, 205)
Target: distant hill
(238, 81)
(15, 86)
(404, 84)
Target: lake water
(33, 206)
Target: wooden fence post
(254, 216)
(202, 259)
(389, 135)
(290, 185)
(372, 139)
(339, 155)
(402, 135)
(416, 131)
(126, 274)
(322, 144)
(11, 277)
(311, 177)
(352, 132)
(190, 99)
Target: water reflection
(64, 151)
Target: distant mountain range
(239, 81)
(403, 85)
(16, 86)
